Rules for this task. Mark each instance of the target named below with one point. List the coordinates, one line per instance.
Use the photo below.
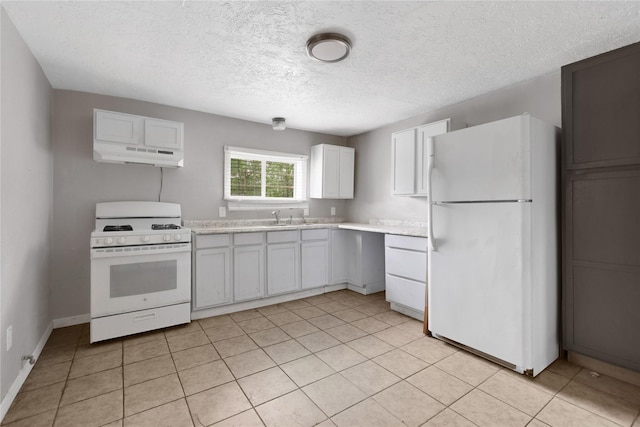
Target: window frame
(300, 182)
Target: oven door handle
(131, 251)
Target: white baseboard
(71, 320)
(248, 305)
(22, 375)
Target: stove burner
(118, 228)
(165, 227)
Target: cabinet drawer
(282, 236)
(406, 292)
(317, 234)
(212, 241)
(119, 325)
(406, 242)
(408, 264)
(248, 238)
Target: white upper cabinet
(163, 134)
(118, 127)
(332, 169)
(409, 158)
(127, 138)
(130, 129)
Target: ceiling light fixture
(328, 47)
(278, 123)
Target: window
(261, 177)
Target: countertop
(404, 228)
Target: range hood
(127, 138)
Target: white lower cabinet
(212, 277)
(231, 268)
(211, 271)
(314, 250)
(358, 260)
(283, 260)
(248, 266)
(406, 274)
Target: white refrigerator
(493, 250)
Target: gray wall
(373, 200)
(26, 193)
(79, 182)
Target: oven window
(143, 278)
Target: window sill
(245, 205)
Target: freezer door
(484, 162)
(479, 277)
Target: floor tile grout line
(66, 382)
(570, 378)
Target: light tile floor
(340, 359)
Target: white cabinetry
(283, 260)
(163, 134)
(248, 266)
(127, 138)
(406, 274)
(118, 127)
(314, 250)
(212, 271)
(358, 260)
(332, 169)
(409, 158)
(124, 128)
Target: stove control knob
(144, 239)
(177, 237)
(166, 238)
(108, 241)
(122, 240)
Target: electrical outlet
(9, 337)
(333, 210)
(222, 212)
(306, 212)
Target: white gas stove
(140, 269)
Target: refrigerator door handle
(430, 160)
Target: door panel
(478, 277)
(484, 162)
(404, 162)
(347, 162)
(282, 268)
(248, 272)
(315, 264)
(213, 284)
(605, 311)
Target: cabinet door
(601, 102)
(403, 155)
(282, 268)
(422, 153)
(212, 278)
(248, 272)
(315, 264)
(330, 172)
(117, 127)
(163, 134)
(602, 266)
(347, 160)
(339, 260)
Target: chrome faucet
(277, 215)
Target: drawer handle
(144, 317)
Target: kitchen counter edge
(373, 228)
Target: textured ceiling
(247, 59)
